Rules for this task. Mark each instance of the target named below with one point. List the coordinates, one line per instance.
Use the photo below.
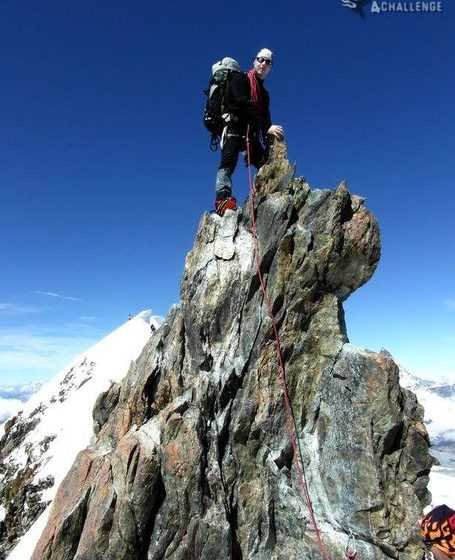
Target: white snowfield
(65, 406)
(440, 422)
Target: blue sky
(105, 169)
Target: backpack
(214, 106)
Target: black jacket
(237, 102)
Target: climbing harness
(227, 134)
(290, 418)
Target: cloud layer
(12, 397)
(56, 295)
(36, 353)
(8, 308)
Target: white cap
(265, 53)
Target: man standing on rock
(246, 103)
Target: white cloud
(55, 295)
(450, 303)
(13, 397)
(17, 309)
(36, 353)
(20, 392)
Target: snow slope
(60, 415)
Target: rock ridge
(192, 458)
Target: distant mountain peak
(438, 401)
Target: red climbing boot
(223, 204)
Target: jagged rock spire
(193, 459)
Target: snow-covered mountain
(438, 400)
(39, 445)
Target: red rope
(290, 420)
(257, 97)
(351, 548)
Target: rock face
(18, 488)
(193, 458)
(39, 445)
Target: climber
(246, 102)
(438, 531)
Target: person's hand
(276, 131)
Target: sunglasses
(266, 60)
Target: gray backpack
(214, 106)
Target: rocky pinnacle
(193, 458)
